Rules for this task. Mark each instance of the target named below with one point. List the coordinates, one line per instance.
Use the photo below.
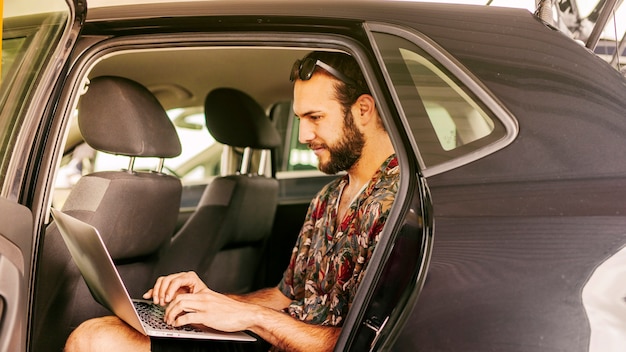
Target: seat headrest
(234, 118)
(120, 116)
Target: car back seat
(224, 239)
(135, 212)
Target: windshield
(30, 32)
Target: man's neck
(372, 157)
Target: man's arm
(268, 297)
(290, 334)
(167, 287)
(225, 313)
(189, 301)
(284, 331)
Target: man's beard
(345, 153)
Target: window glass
(199, 158)
(30, 31)
(446, 119)
(11, 48)
(301, 157)
(198, 162)
(292, 155)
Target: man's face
(333, 136)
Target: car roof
(154, 16)
(342, 9)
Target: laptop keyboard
(152, 315)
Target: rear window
(446, 119)
(455, 117)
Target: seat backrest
(134, 211)
(224, 238)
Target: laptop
(101, 276)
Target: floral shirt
(328, 261)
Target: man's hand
(190, 302)
(210, 309)
(168, 287)
(224, 313)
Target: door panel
(15, 244)
(378, 314)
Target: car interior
(175, 155)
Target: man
(340, 123)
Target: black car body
(500, 237)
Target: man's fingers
(167, 287)
(183, 305)
(148, 294)
(206, 308)
(185, 319)
(156, 291)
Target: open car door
(398, 268)
(14, 238)
(37, 39)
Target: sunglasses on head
(304, 69)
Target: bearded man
(340, 122)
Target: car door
(398, 268)
(449, 124)
(38, 36)
(13, 287)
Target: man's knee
(105, 334)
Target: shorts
(193, 345)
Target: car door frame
(23, 199)
(14, 245)
(400, 262)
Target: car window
(199, 159)
(293, 159)
(30, 31)
(454, 116)
(445, 117)
(300, 156)
(198, 162)
(292, 155)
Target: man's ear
(366, 108)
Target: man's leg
(112, 334)
(106, 334)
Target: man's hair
(345, 93)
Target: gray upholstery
(135, 123)
(224, 238)
(235, 119)
(134, 211)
